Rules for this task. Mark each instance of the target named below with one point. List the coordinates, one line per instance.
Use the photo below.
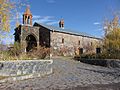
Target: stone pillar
(30, 20)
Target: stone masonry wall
(28, 30)
(71, 44)
(25, 68)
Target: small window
(62, 40)
(79, 42)
(98, 50)
(91, 43)
(80, 50)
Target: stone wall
(44, 35)
(28, 30)
(71, 43)
(25, 68)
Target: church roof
(68, 31)
(28, 11)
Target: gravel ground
(71, 75)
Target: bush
(103, 55)
(15, 53)
(39, 53)
(15, 50)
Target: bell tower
(27, 16)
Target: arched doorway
(31, 42)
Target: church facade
(61, 41)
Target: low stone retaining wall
(24, 69)
(102, 62)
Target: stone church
(60, 40)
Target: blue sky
(79, 15)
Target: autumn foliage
(5, 6)
(112, 39)
(8, 11)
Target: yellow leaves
(5, 7)
(112, 38)
(8, 9)
(17, 24)
(5, 25)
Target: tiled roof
(69, 31)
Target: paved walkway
(70, 75)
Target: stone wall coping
(26, 61)
(102, 59)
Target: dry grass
(39, 53)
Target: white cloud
(46, 19)
(96, 23)
(51, 1)
(50, 20)
(100, 29)
(36, 16)
(42, 19)
(52, 23)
